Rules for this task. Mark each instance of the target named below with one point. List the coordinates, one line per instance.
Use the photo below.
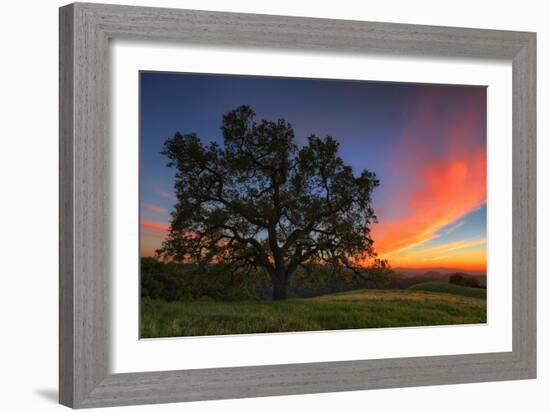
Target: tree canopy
(261, 201)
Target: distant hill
(404, 278)
(440, 270)
(440, 287)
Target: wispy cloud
(447, 230)
(154, 208)
(465, 254)
(154, 225)
(448, 182)
(154, 230)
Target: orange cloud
(152, 235)
(154, 225)
(442, 179)
(153, 230)
(154, 208)
(449, 190)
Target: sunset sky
(426, 143)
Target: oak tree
(261, 201)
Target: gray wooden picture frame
(85, 31)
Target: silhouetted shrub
(171, 281)
(462, 279)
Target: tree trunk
(279, 289)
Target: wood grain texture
(84, 252)
(66, 229)
(524, 208)
(85, 31)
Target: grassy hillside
(347, 310)
(452, 289)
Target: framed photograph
(257, 205)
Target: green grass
(349, 310)
(441, 287)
